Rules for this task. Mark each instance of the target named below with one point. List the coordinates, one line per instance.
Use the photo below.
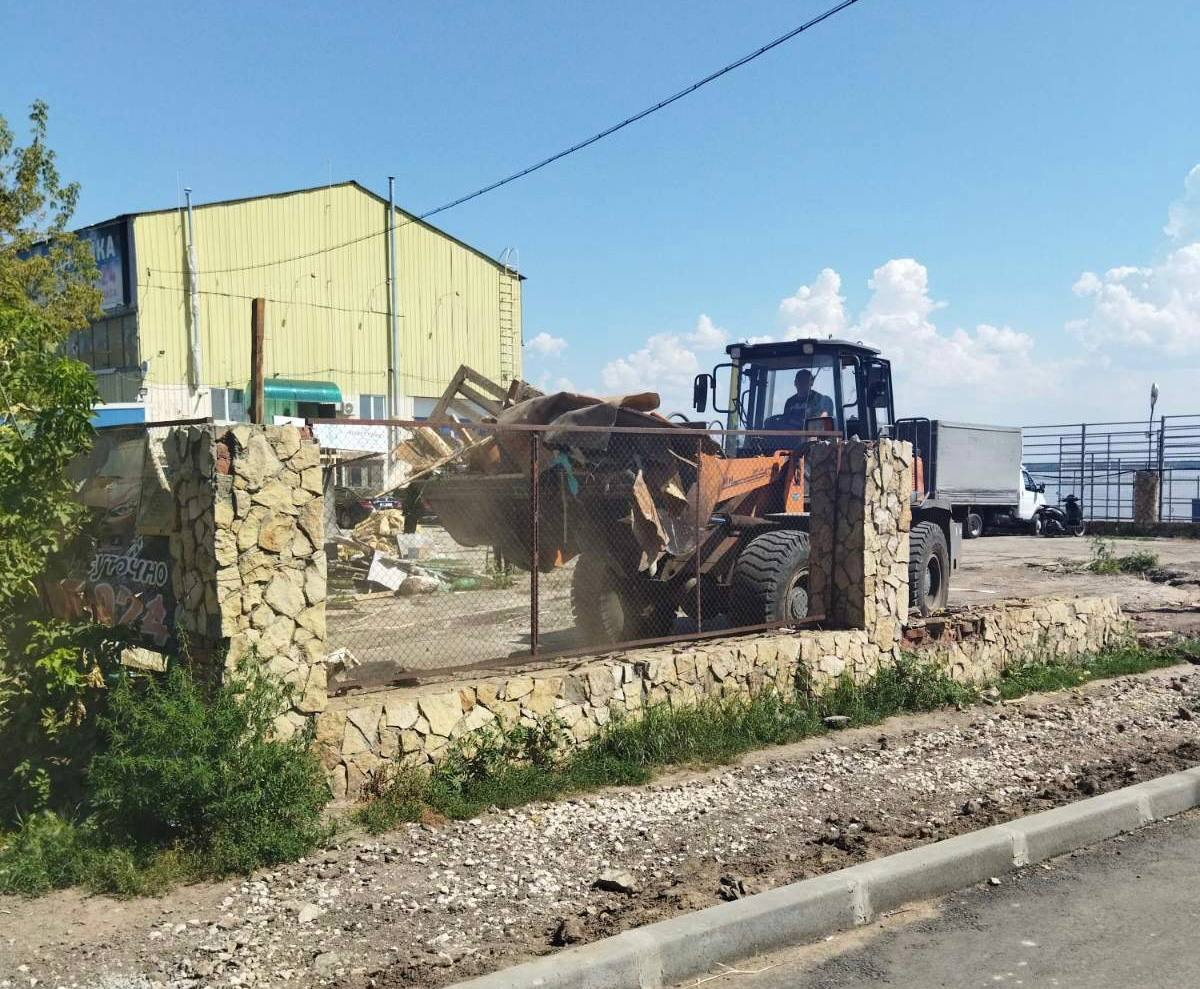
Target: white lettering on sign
(104, 248)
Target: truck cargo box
(966, 463)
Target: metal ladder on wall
(508, 330)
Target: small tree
(47, 289)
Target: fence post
(696, 566)
(1162, 481)
(1082, 460)
(1108, 479)
(258, 324)
(1058, 471)
(535, 449)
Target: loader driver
(806, 403)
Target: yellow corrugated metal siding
(327, 312)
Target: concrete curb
(670, 951)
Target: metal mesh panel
(452, 545)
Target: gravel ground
(432, 904)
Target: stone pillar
(248, 561)
(1145, 497)
(860, 518)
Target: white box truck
(978, 471)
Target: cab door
(1032, 497)
(877, 392)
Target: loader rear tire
(609, 607)
(770, 579)
(928, 568)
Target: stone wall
(248, 561)
(977, 644)
(860, 519)
(357, 735)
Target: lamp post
(1150, 426)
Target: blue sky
(1008, 148)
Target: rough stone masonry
(248, 561)
(861, 514)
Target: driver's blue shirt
(813, 407)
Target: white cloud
(1150, 311)
(1183, 216)
(931, 366)
(1155, 308)
(817, 309)
(707, 336)
(667, 364)
(549, 383)
(545, 345)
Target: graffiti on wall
(120, 574)
(126, 586)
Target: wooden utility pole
(258, 325)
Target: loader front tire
(770, 579)
(610, 607)
(928, 568)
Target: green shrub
(45, 853)
(206, 774)
(48, 851)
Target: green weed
(1039, 677)
(1106, 561)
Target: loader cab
(832, 386)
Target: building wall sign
(110, 243)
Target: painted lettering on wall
(128, 587)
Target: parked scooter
(1067, 520)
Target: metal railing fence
(1097, 463)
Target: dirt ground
(994, 568)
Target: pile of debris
(379, 528)
(381, 561)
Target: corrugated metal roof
(351, 183)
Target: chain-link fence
(1097, 461)
(498, 542)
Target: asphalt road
(1122, 915)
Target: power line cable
(558, 156)
(661, 104)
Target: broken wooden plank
(488, 405)
(430, 438)
(439, 410)
(487, 384)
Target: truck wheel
(1035, 525)
(770, 579)
(973, 527)
(928, 568)
(610, 608)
